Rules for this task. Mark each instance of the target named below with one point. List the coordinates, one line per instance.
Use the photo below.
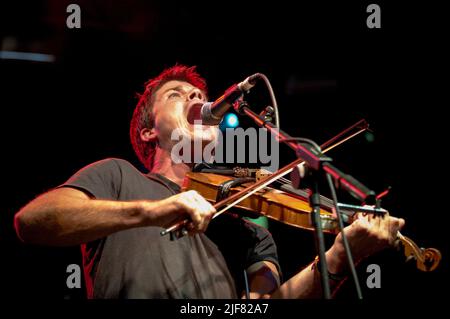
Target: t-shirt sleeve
(264, 248)
(100, 180)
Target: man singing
(116, 214)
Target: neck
(163, 165)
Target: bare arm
(307, 283)
(67, 216)
(366, 236)
(264, 281)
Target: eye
(174, 94)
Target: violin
(252, 196)
(295, 210)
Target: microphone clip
(267, 114)
(239, 105)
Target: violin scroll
(427, 259)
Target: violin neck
(325, 202)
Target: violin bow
(236, 198)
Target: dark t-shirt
(139, 263)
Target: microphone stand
(314, 199)
(319, 164)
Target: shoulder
(103, 178)
(125, 167)
(110, 161)
(105, 171)
(111, 164)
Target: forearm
(307, 283)
(366, 236)
(66, 220)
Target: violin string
(268, 182)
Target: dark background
(327, 68)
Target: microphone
(212, 112)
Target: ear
(149, 135)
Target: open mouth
(194, 113)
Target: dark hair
(143, 113)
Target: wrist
(336, 260)
(139, 213)
(155, 213)
(336, 271)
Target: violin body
(272, 203)
(289, 206)
(294, 210)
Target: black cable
(348, 252)
(272, 97)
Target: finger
(205, 204)
(391, 227)
(194, 214)
(377, 221)
(401, 223)
(190, 226)
(208, 219)
(191, 229)
(207, 211)
(397, 224)
(363, 220)
(197, 211)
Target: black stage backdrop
(328, 70)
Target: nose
(195, 94)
